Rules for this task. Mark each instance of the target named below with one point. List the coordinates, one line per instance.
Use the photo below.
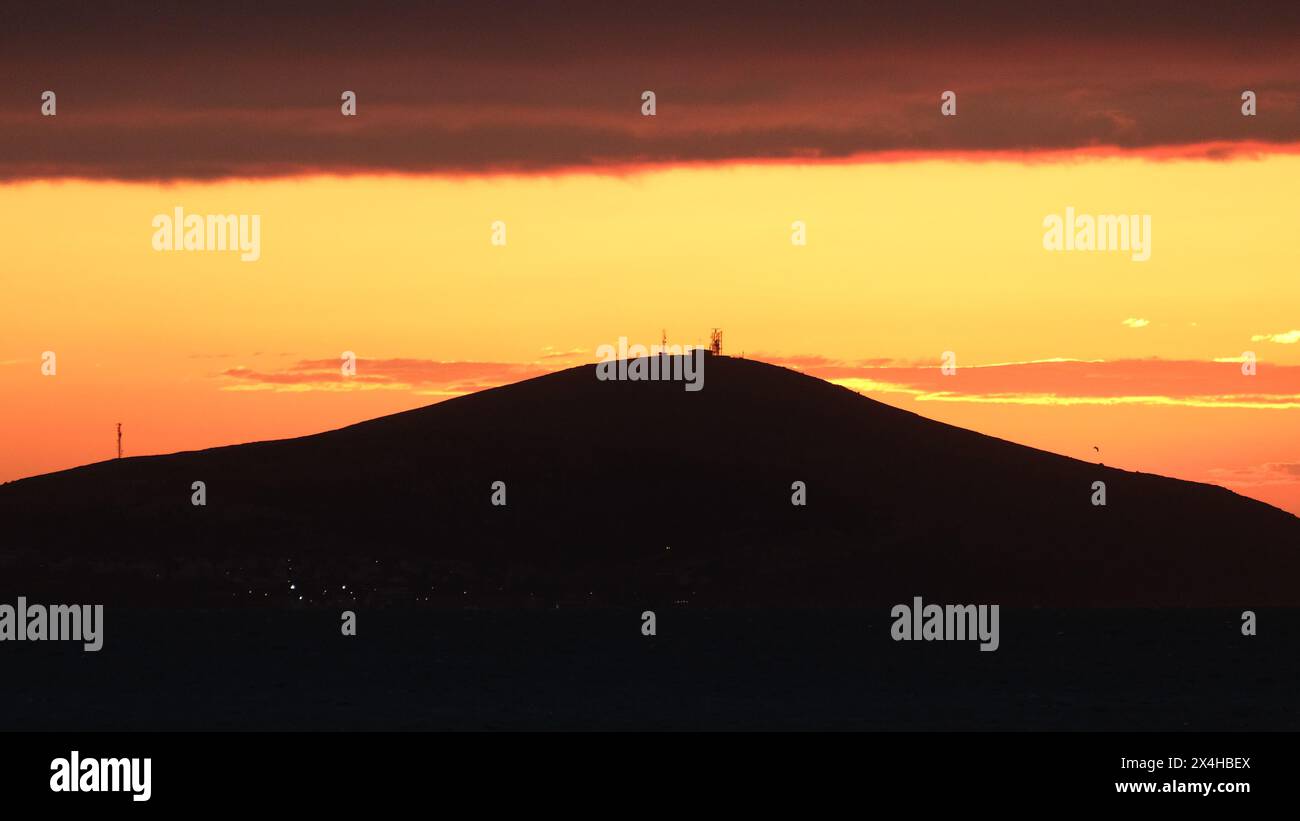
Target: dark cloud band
(252, 92)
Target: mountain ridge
(631, 492)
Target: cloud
(1062, 382)
(1135, 323)
(1268, 473)
(418, 376)
(483, 88)
(550, 353)
(1286, 338)
(1189, 383)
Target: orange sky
(904, 260)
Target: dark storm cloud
(237, 89)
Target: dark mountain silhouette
(632, 493)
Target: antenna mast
(119, 440)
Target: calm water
(1086, 670)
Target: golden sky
(904, 260)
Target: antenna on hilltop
(119, 440)
(715, 342)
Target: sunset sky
(924, 233)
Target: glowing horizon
(904, 261)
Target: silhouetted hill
(624, 493)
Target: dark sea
(706, 670)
